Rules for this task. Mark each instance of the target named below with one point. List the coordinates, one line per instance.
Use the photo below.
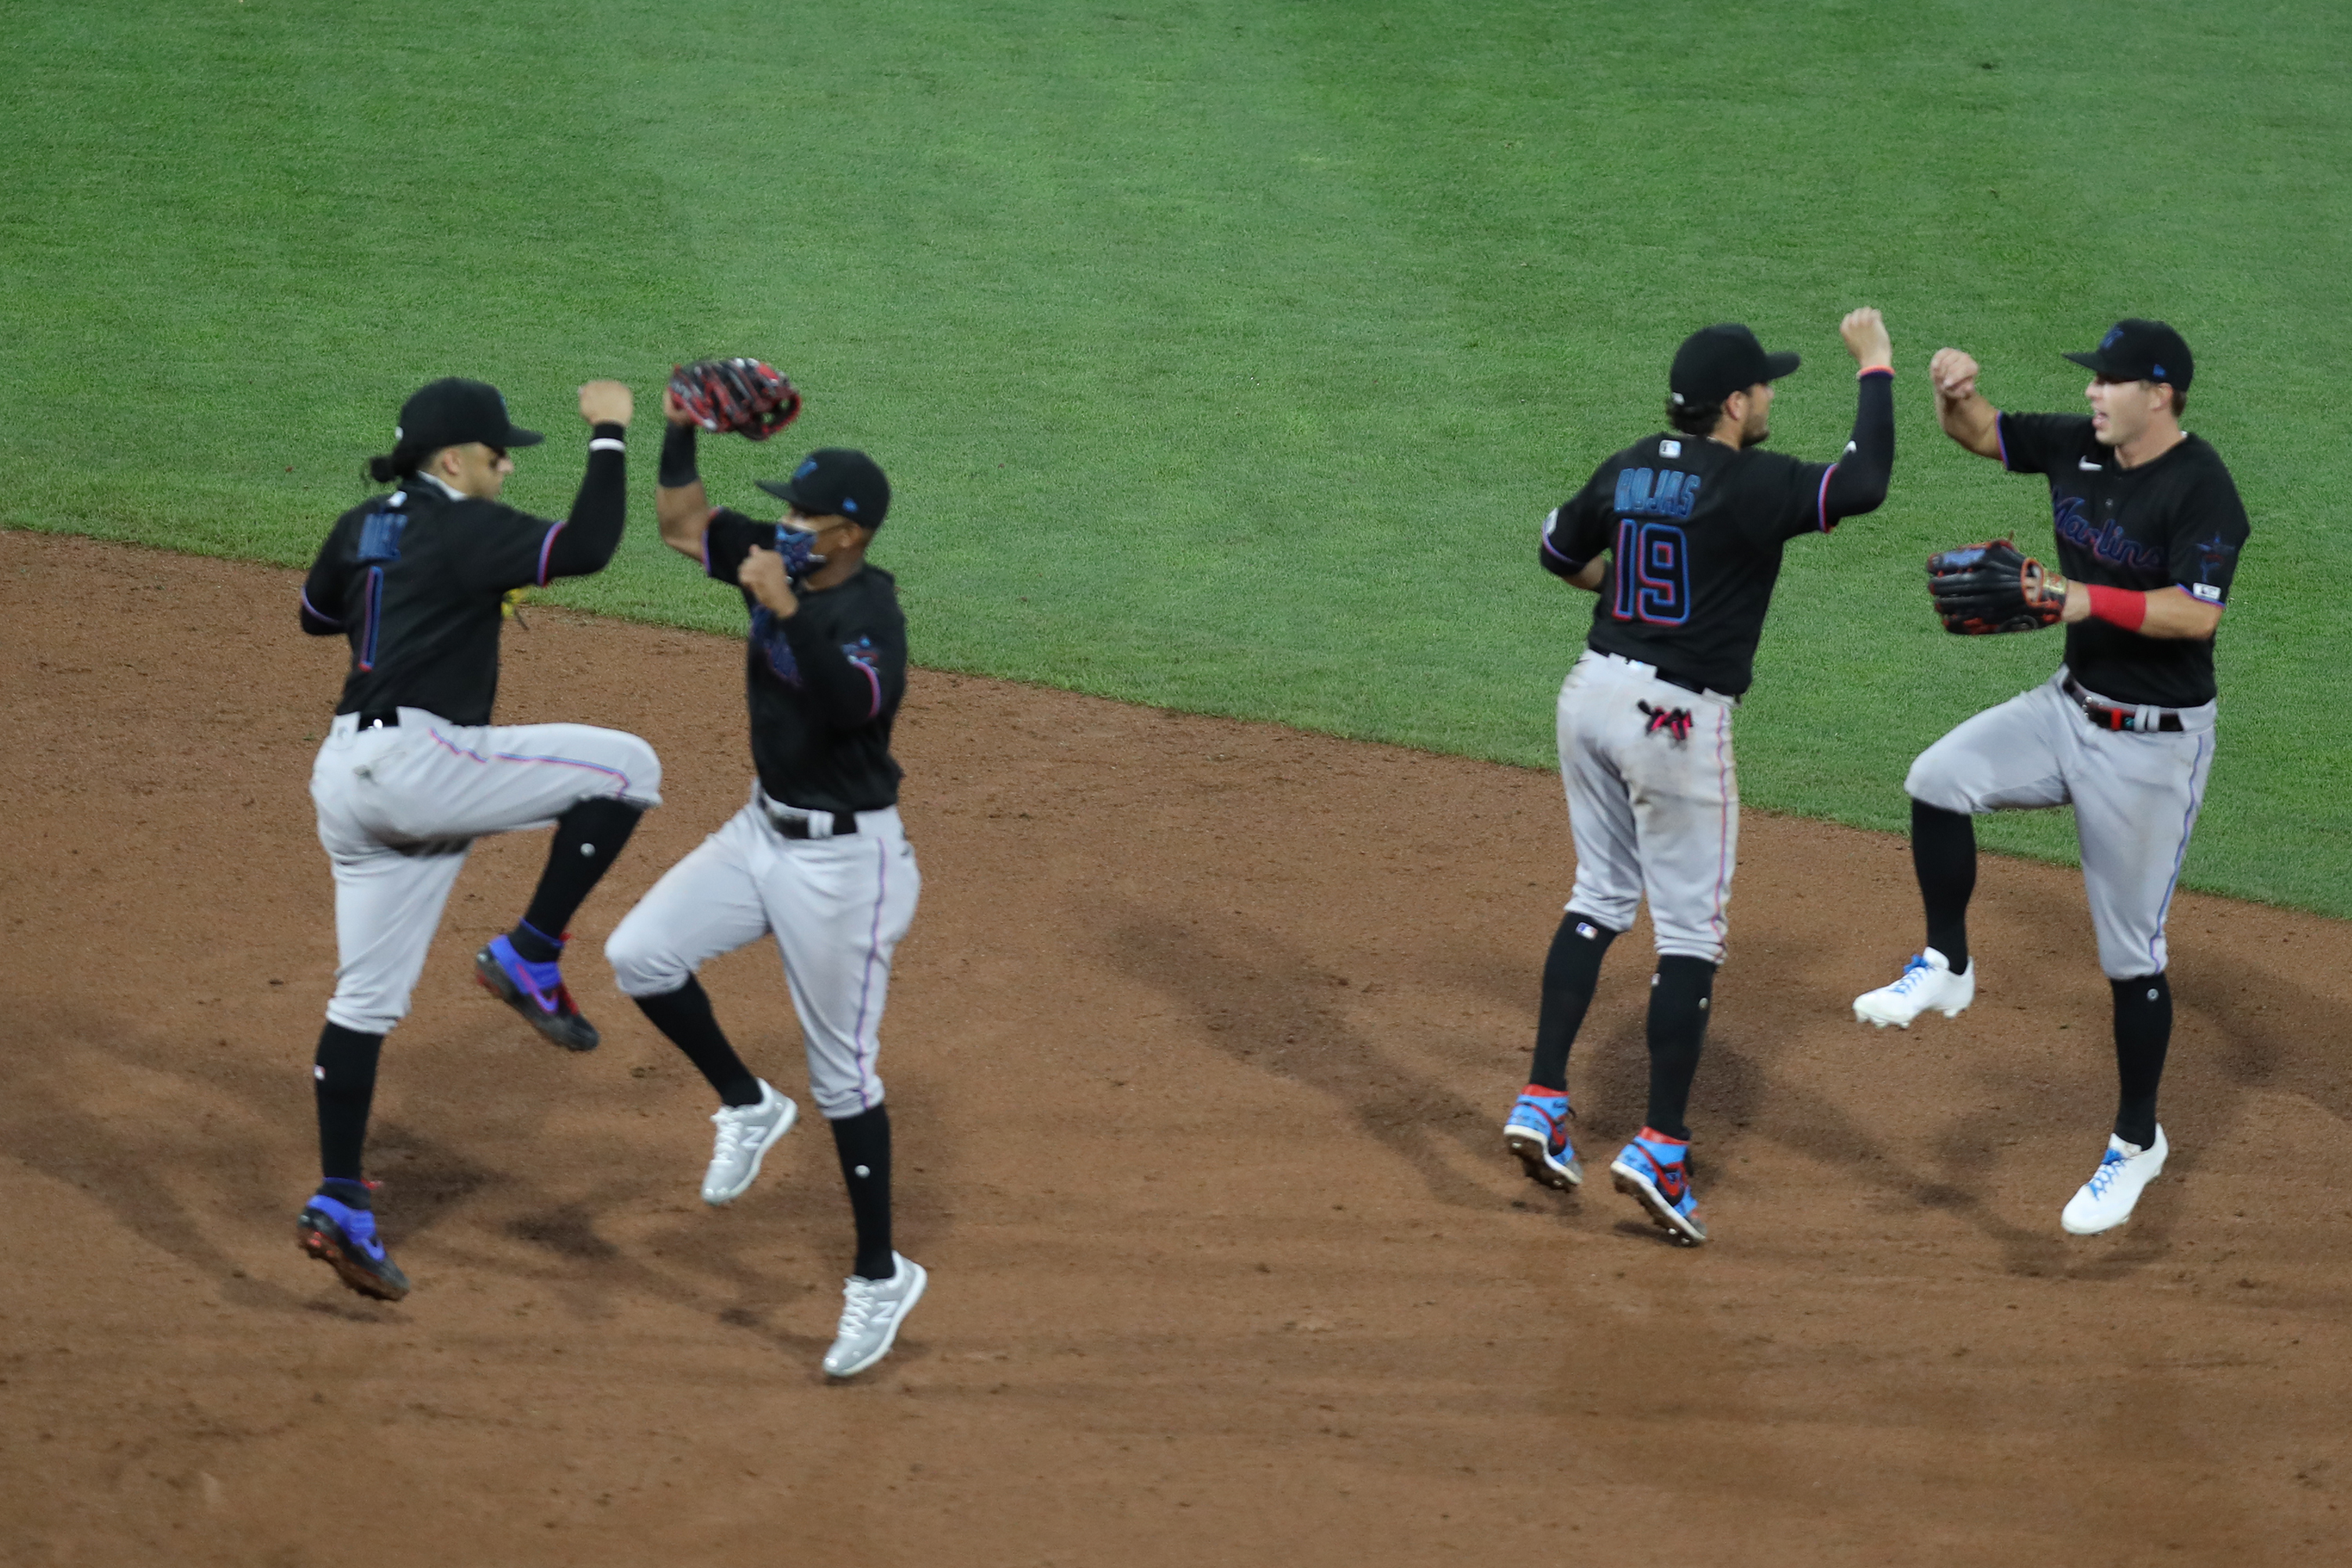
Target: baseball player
(2149, 528)
(817, 857)
(413, 771)
(1680, 534)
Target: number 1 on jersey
(1652, 573)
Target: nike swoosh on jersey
(2087, 466)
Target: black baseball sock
(685, 1015)
(1944, 854)
(1570, 972)
(587, 837)
(2143, 1033)
(343, 1075)
(863, 1142)
(1680, 994)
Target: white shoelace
(862, 1301)
(737, 1129)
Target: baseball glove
(746, 395)
(1992, 587)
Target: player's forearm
(2166, 614)
(1972, 422)
(593, 529)
(1858, 483)
(681, 505)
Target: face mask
(798, 547)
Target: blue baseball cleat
(1536, 1131)
(537, 991)
(337, 1234)
(1654, 1171)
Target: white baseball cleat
(2107, 1200)
(871, 1311)
(1926, 982)
(746, 1133)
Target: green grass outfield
(1225, 355)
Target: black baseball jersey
(824, 683)
(1695, 530)
(414, 579)
(2173, 522)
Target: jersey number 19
(1652, 573)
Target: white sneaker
(2106, 1199)
(1928, 981)
(746, 1133)
(871, 1311)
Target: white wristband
(607, 444)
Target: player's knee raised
(644, 769)
(642, 964)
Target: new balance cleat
(2107, 1200)
(337, 1234)
(1536, 1131)
(537, 991)
(1927, 982)
(871, 1311)
(746, 1133)
(1655, 1171)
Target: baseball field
(1225, 359)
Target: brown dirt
(1197, 1050)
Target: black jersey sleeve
(324, 590)
(853, 670)
(1856, 483)
(1812, 497)
(727, 540)
(511, 549)
(1578, 528)
(2035, 443)
(584, 542)
(2208, 531)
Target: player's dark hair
(2180, 397)
(400, 463)
(396, 464)
(1694, 420)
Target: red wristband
(1874, 369)
(2117, 606)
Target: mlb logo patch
(2206, 591)
(1670, 448)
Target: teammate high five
(1680, 534)
(413, 771)
(818, 858)
(2149, 526)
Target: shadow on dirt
(1263, 1002)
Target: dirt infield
(1197, 1050)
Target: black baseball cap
(836, 481)
(454, 411)
(2137, 350)
(1715, 362)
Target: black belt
(795, 824)
(383, 719)
(2107, 718)
(1668, 675)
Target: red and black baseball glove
(1992, 587)
(746, 395)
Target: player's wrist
(1879, 367)
(608, 436)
